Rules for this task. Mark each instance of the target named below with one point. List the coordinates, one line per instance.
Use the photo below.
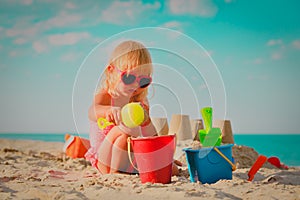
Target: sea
(283, 146)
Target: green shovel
(209, 136)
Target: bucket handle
(129, 156)
(223, 156)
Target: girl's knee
(123, 137)
(121, 141)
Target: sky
(240, 57)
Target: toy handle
(129, 156)
(221, 154)
(207, 117)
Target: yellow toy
(103, 123)
(132, 115)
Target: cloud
(202, 8)
(258, 61)
(57, 76)
(22, 31)
(69, 57)
(210, 53)
(173, 25)
(176, 25)
(3, 66)
(120, 12)
(2, 32)
(26, 29)
(13, 53)
(280, 48)
(203, 86)
(20, 41)
(67, 38)
(274, 42)
(296, 44)
(276, 56)
(70, 5)
(27, 2)
(97, 40)
(255, 61)
(39, 47)
(62, 20)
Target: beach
(40, 170)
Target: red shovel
(256, 166)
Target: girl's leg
(104, 152)
(108, 151)
(119, 159)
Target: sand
(40, 170)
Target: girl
(126, 79)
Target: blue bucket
(207, 166)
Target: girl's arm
(100, 106)
(147, 127)
(148, 130)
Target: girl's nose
(136, 84)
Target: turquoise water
(284, 146)
(48, 137)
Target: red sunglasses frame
(137, 78)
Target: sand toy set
(213, 161)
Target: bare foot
(175, 170)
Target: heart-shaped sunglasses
(130, 78)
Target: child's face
(134, 81)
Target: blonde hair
(127, 56)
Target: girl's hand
(114, 115)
